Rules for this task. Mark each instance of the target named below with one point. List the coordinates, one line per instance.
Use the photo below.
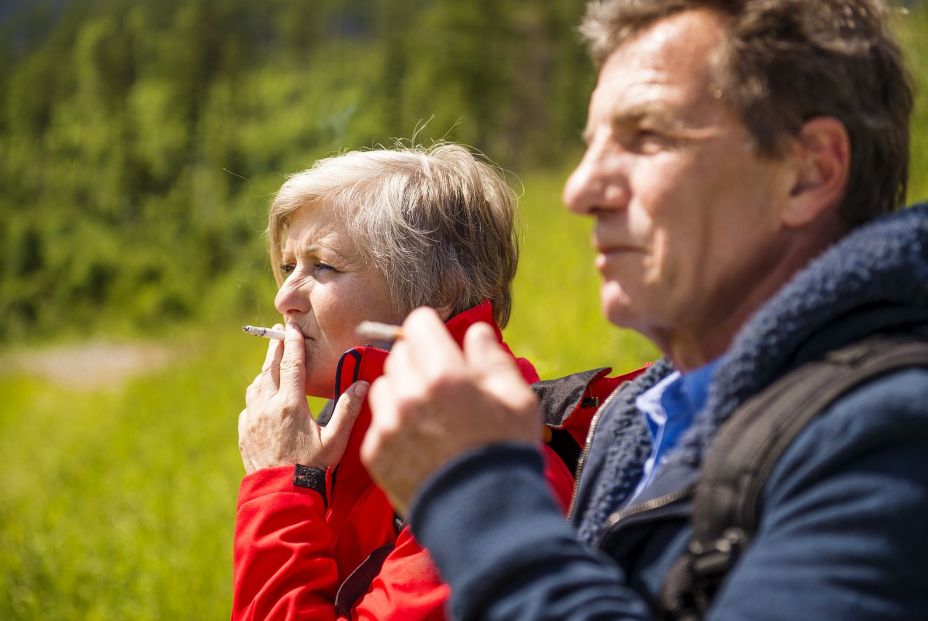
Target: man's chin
(616, 307)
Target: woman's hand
(276, 427)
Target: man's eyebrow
(649, 110)
(635, 114)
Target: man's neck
(709, 335)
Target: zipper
(650, 505)
(586, 449)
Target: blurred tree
(140, 140)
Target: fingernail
(484, 331)
(360, 389)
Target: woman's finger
(270, 370)
(335, 434)
(293, 367)
(242, 441)
(254, 390)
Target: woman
(363, 236)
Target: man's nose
(597, 183)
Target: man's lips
(605, 253)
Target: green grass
(121, 505)
(911, 27)
(556, 320)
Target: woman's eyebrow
(318, 248)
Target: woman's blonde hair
(438, 222)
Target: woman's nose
(291, 299)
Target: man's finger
(430, 344)
(401, 369)
(498, 371)
(336, 433)
(292, 365)
(382, 401)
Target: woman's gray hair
(438, 222)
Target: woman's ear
(444, 312)
(823, 160)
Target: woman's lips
(304, 332)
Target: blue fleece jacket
(844, 527)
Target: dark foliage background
(141, 140)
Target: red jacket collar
(366, 362)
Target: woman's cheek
(309, 356)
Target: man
(742, 162)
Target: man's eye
(287, 268)
(649, 141)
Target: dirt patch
(89, 366)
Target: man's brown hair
(789, 61)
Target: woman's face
(328, 290)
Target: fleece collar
(873, 280)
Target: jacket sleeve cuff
(484, 515)
(297, 479)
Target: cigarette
(268, 333)
(379, 331)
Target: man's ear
(823, 152)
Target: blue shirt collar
(668, 409)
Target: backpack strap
(727, 502)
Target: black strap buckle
(709, 563)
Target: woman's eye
(287, 268)
(323, 267)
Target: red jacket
(298, 557)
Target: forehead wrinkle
(313, 237)
(646, 79)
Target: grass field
(119, 502)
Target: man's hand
(276, 427)
(436, 402)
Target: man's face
(686, 212)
